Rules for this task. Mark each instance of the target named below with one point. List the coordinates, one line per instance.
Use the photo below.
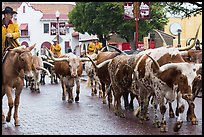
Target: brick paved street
(47, 114)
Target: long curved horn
(189, 47)
(104, 49)
(155, 62)
(164, 67)
(92, 63)
(41, 68)
(184, 53)
(53, 58)
(164, 42)
(103, 63)
(84, 59)
(199, 65)
(118, 50)
(48, 63)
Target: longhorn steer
(15, 65)
(92, 77)
(69, 69)
(102, 72)
(38, 64)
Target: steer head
(25, 60)
(181, 74)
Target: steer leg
(3, 115)
(191, 114)
(117, 101)
(171, 112)
(92, 86)
(126, 102)
(70, 94)
(104, 92)
(100, 90)
(63, 89)
(77, 89)
(10, 102)
(19, 88)
(180, 110)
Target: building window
(23, 9)
(24, 33)
(46, 28)
(24, 30)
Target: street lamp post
(179, 37)
(57, 14)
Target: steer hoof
(120, 114)
(177, 126)
(92, 93)
(76, 99)
(63, 98)
(157, 124)
(163, 128)
(193, 120)
(171, 115)
(70, 100)
(8, 119)
(17, 123)
(3, 121)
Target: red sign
(144, 10)
(128, 10)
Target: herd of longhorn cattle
(164, 75)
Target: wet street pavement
(46, 114)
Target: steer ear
(31, 47)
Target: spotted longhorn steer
(102, 72)
(68, 68)
(93, 79)
(49, 65)
(35, 82)
(16, 63)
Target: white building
(38, 24)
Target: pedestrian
(10, 30)
(94, 47)
(55, 48)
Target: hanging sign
(128, 10)
(144, 10)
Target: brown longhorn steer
(69, 69)
(16, 64)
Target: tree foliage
(102, 18)
(185, 9)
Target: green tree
(186, 9)
(102, 18)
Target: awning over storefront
(24, 26)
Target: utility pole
(136, 19)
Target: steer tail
(108, 90)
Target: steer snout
(187, 96)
